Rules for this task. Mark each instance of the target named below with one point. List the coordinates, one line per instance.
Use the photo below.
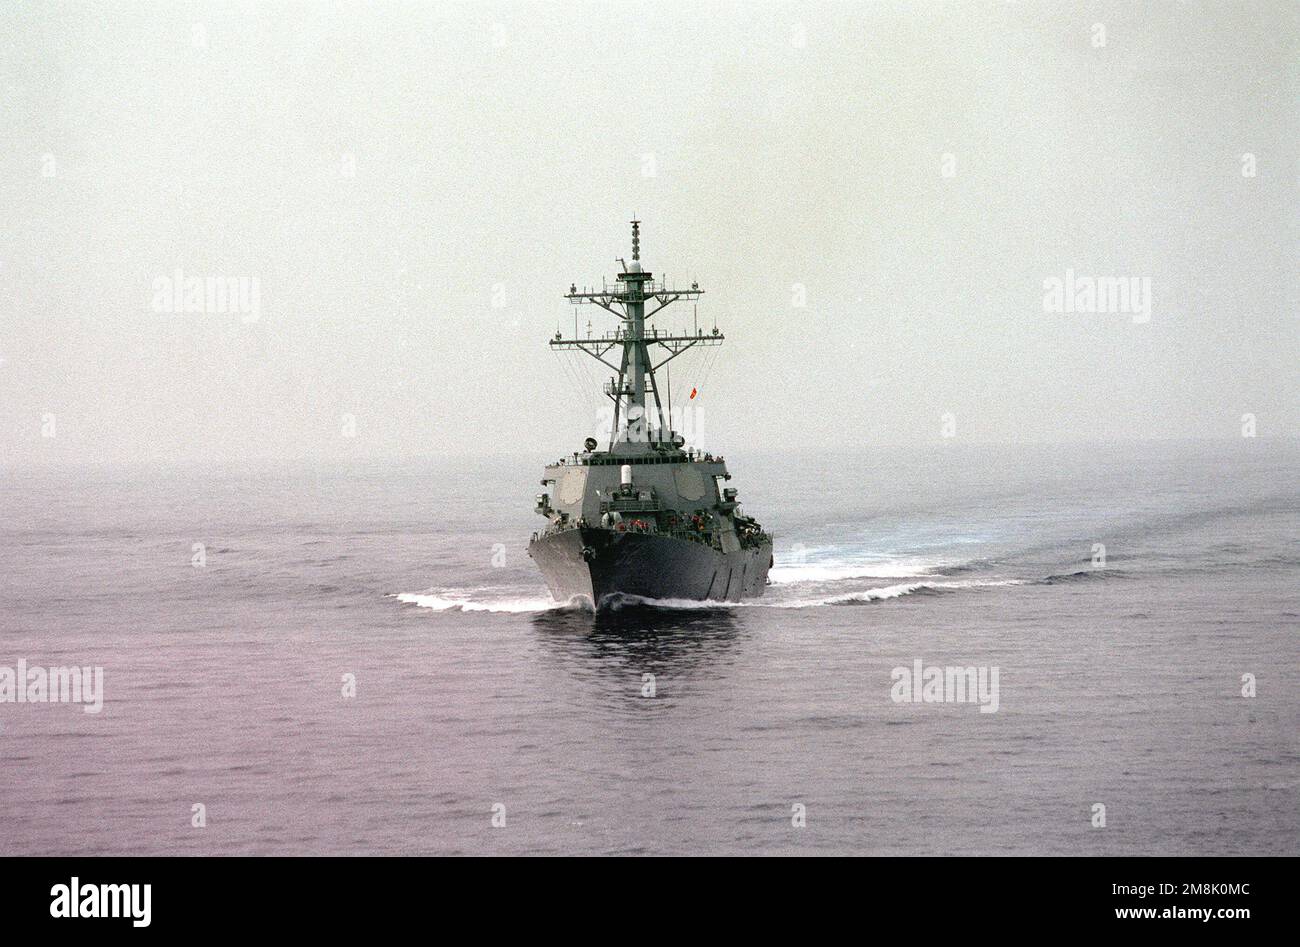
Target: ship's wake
(793, 586)
(804, 573)
(479, 600)
(484, 601)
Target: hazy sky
(412, 188)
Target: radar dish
(690, 484)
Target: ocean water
(1120, 681)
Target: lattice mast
(636, 383)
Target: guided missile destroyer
(647, 517)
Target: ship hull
(599, 563)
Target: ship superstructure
(645, 517)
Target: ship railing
(703, 537)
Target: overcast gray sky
(414, 187)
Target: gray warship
(646, 517)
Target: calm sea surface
(1120, 682)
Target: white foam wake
(441, 603)
(790, 574)
(892, 591)
(880, 593)
(459, 601)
